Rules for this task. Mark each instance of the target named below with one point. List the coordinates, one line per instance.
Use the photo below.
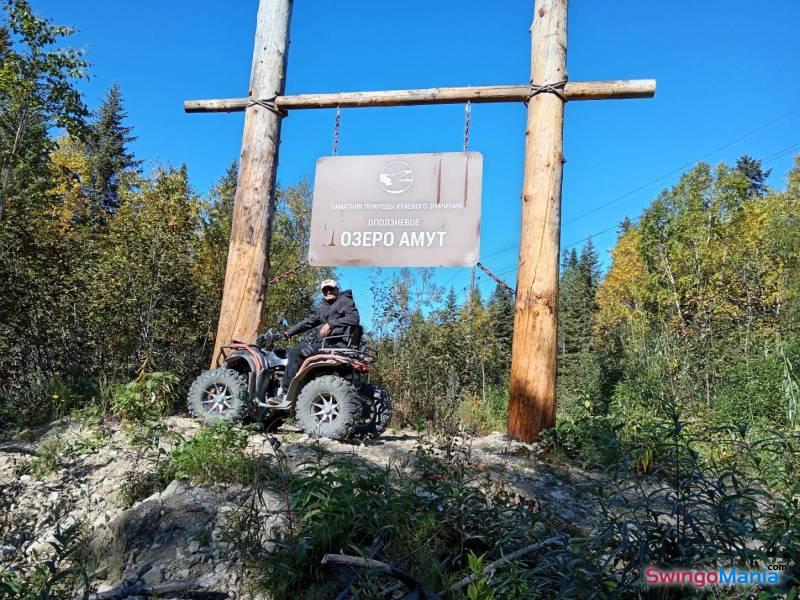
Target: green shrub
(214, 455)
(35, 399)
(49, 457)
(439, 522)
(149, 396)
(151, 471)
(53, 451)
(761, 388)
(65, 575)
(139, 485)
(484, 415)
(698, 511)
(583, 437)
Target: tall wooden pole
(532, 401)
(247, 271)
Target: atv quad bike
(330, 396)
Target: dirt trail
(177, 533)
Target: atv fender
(248, 364)
(314, 366)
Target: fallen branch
(391, 571)
(377, 546)
(492, 567)
(18, 448)
(183, 585)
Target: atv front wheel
(376, 412)
(218, 395)
(328, 406)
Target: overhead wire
(779, 154)
(684, 166)
(672, 172)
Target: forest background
(678, 361)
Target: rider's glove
(285, 335)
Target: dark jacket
(339, 314)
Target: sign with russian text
(401, 210)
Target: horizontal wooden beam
(578, 90)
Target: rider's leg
(296, 357)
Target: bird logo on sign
(396, 177)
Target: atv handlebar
(266, 339)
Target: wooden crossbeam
(577, 90)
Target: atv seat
(350, 339)
(355, 332)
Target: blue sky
(724, 69)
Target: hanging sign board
(397, 210)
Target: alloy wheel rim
(217, 398)
(325, 408)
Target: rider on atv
(337, 314)
(327, 387)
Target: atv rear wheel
(376, 412)
(218, 395)
(328, 406)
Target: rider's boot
(279, 400)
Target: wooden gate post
(532, 399)
(247, 270)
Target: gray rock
(104, 586)
(101, 521)
(566, 514)
(153, 576)
(40, 549)
(130, 578)
(175, 487)
(194, 546)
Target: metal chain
(336, 125)
(486, 270)
(467, 115)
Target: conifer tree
(449, 312)
(501, 319)
(579, 377)
(568, 302)
(589, 265)
(751, 168)
(109, 156)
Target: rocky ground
(178, 534)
